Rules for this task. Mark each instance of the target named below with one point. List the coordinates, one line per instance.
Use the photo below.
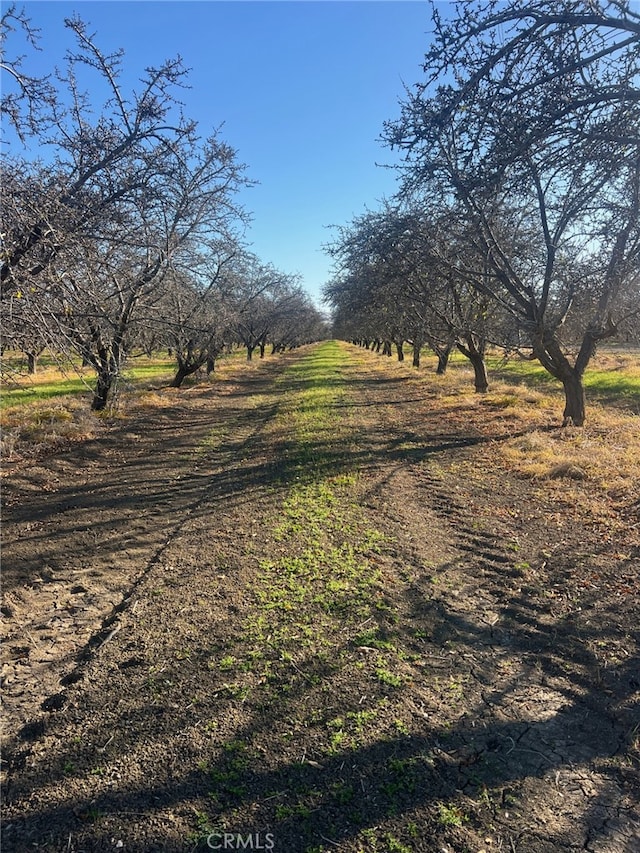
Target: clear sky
(302, 88)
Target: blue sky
(303, 89)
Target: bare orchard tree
(197, 313)
(369, 276)
(97, 157)
(89, 238)
(263, 294)
(26, 101)
(180, 210)
(540, 129)
(297, 322)
(19, 333)
(354, 314)
(401, 269)
(25, 305)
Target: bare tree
(261, 301)
(198, 312)
(96, 165)
(538, 132)
(26, 101)
(297, 322)
(129, 196)
(400, 270)
(178, 213)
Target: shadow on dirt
(122, 508)
(336, 797)
(506, 734)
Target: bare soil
(169, 678)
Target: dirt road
(308, 609)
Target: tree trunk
(550, 354)
(575, 407)
(187, 368)
(416, 355)
(181, 374)
(263, 346)
(474, 351)
(250, 350)
(400, 351)
(32, 362)
(480, 373)
(211, 365)
(443, 360)
(101, 394)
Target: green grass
(450, 815)
(609, 385)
(611, 376)
(155, 369)
(43, 391)
(50, 383)
(601, 383)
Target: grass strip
(317, 656)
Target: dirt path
(83, 527)
(308, 610)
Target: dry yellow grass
(50, 417)
(589, 466)
(522, 421)
(605, 453)
(30, 429)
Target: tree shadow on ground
(534, 703)
(123, 504)
(335, 797)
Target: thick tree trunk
(575, 406)
(443, 360)
(480, 373)
(181, 374)
(188, 367)
(550, 354)
(475, 353)
(400, 351)
(32, 362)
(263, 346)
(101, 394)
(250, 350)
(416, 355)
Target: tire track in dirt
(541, 716)
(209, 584)
(65, 583)
(495, 721)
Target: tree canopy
(124, 228)
(524, 136)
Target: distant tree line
(123, 231)
(517, 219)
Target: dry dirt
(179, 663)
